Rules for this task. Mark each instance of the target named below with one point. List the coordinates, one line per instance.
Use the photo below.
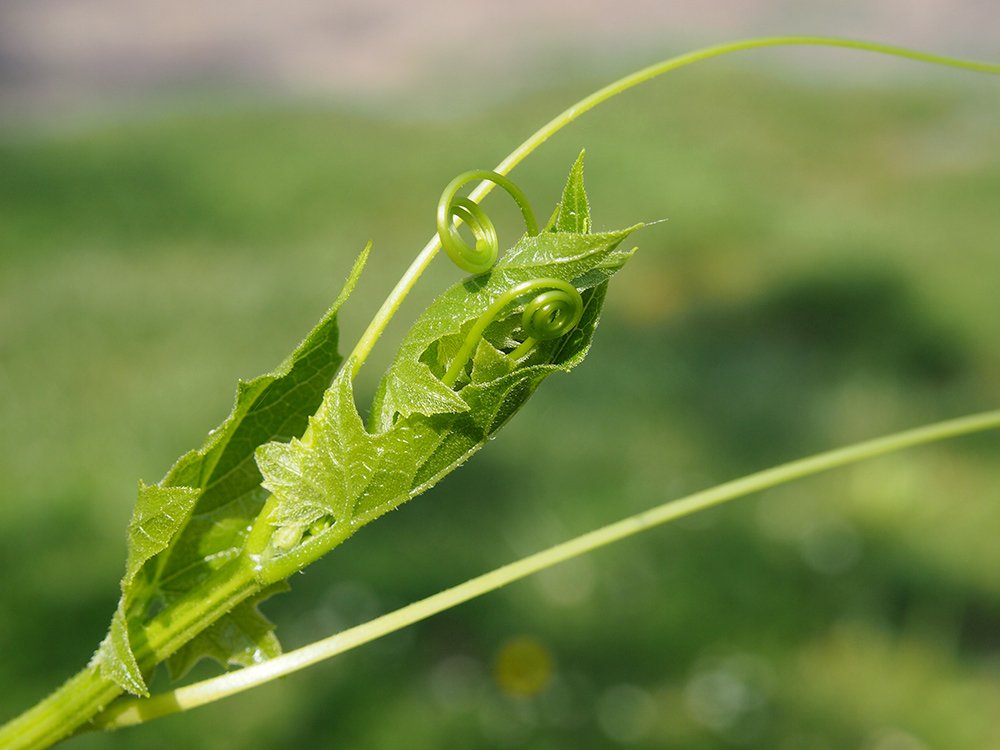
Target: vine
(339, 474)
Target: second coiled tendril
(547, 316)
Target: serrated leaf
(489, 363)
(243, 638)
(159, 513)
(421, 429)
(410, 387)
(341, 464)
(195, 520)
(574, 208)
(114, 657)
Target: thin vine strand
(392, 303)
(137, 711)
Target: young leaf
(196, 519)
(410, 387)
(340, 462)
(159, 512)
(341, 475)
(574, 208)
(243, 637)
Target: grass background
(828, 273)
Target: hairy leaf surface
(196, 518)
(411, 387)
(420, 429)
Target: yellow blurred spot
(523, 667)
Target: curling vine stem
(136, 711)
(392, 303)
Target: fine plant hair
(295, 470)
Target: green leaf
(339, 464)
(195, 520)
(159, 512)
(489, 363)
(410, 386)
(341, 475)
(574, 209)
(243, 637)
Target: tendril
(546, 316)
(484, 255)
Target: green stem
(69, 707)
(140, 710)
(88, 692)
(392, 303)
(195, 611)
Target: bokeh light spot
(626, 713)
(523, 667)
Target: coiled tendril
(483, 256)
(547, 316)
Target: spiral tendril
(546, 316)
(483, 256)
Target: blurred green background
(828, 273)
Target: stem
(88, 692)
(392, 303)
(194, 611)
(69, 707)
(136, 711)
